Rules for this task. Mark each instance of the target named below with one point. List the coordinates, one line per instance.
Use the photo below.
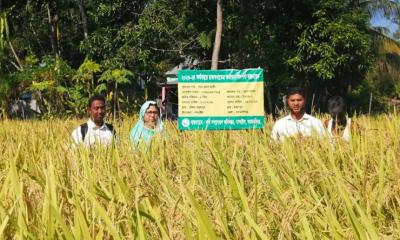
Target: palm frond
(387, 8)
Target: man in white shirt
(95, 130)
(297, 123)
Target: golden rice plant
(199, 184)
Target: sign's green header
(221, 76)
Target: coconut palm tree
(386, 69)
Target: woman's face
(151, 117)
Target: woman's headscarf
(140, 132)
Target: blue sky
(380, 21)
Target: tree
(84, 84)
(382, 81)
(325, 45)
(334, 52)
(116, 77)
(218, 36)
(52, 17)
(83, 18)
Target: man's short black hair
(96, 97)
(336, 105)
(295, 90)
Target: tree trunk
(269, 100)
(5, 39)
(18, 65)
(58, 35)
(53, 33)
(218, 36)
(83, 18)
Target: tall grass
(199, 185)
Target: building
(169, 89)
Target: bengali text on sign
(221, 99)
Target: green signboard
(221, 99)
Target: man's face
(97, 111)
(295, 103)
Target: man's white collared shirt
(94, 134)
(289, 127)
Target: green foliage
(31, 60)
(3, 32)
(84, 85)
(205, 40)
(335, 50)
(86, 71)
(110, 41)
(78, 97)
(324, 45)
(384, 77)
(397, 89)
(118, 76)
(51, 70)
(48, 81)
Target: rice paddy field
(199, 185)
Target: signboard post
(221, 99)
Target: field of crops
(199, 185)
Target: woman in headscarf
(148, 125)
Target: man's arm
(319, 127)
(326, 122)
(275, 132)
(76, 135)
